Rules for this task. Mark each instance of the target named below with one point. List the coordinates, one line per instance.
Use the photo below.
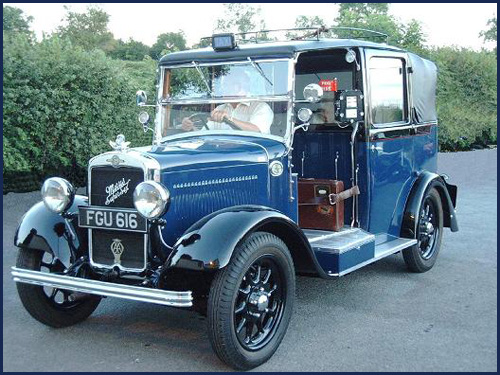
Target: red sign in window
(329, 84)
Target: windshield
(249, 96)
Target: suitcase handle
(346, 194)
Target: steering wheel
(199, 120)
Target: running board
(101, 288)
(385, 245)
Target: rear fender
(42, 229)
(210, 243)
(448, 194)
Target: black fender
(448, 193)
(210, 242)
(42, 229)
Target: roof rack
(309, 33)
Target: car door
(390, 141)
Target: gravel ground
(379, 318)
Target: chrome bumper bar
(101, 288)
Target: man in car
(247, 116)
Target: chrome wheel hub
(260, 300)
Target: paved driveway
(379, 318)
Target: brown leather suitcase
(315, 209)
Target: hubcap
(259, 304)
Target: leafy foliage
(241, 18)
(15, 21)
(375, 16)
(490, 35)
(62, 104)
(168, 42)
(88, 30)
(130, 50)
(466, 98)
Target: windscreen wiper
(205, 81)
(259, 69)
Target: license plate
(113, 219)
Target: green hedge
(61, 106)
(466, 98)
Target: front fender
(209, 243)
(42, 229)
(447, 192)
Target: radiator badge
(117, 250)
(115, 161)
(116, 190)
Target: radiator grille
(114, 187)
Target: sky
(444, 24)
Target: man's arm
(262, 115)
(220, 116)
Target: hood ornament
(119, 144)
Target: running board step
(101, 288)
(340, 253)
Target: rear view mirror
(313, 93)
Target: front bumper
(101, 288)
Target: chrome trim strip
(396, 128)
(101, 288)
(132, 158)
(216, 181)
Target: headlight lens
(151, 199)
(57, 194)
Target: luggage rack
(310, 33)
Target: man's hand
(218, 115)
(187, 124)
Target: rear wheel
(250, 302)
(422, 256)
(52, 306)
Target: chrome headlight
(57, 194)
(151, 199)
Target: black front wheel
(422, 256)
(250, 302)
(52, 306)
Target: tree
(88, 30)
(15, 21)
(132, 50)
(168, 42)
(375, 16)
(305, 21)
(413, 37)
(490, 35)
(240, 17)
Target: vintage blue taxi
(311, 156)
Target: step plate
(339, 251)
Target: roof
(267, 50)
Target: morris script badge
(116, 190)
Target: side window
(388, 90)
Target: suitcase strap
(346, 194)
